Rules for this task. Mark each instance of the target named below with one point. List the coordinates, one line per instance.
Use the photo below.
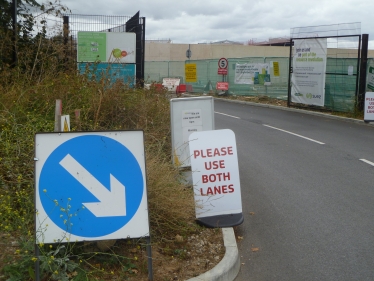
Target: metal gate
(340, 91)
(72, 23)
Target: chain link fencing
(339, 89)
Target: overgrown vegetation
(27, 104)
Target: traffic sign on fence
(223, 86)
(222, 63)
(90, 186)
(222, 71)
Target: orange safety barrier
(181, 88)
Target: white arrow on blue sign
(90, 186)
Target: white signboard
(171, 83)
(309, 71)
(90, 186)
(350, 70)
(252, 73)
(188, 115)
(113, 47)
(369, 107)
(215, 173)
(370, 78)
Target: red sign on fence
(224, 86)
(222, 71)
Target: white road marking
(227, 115)
(367, 162)
(300, 136)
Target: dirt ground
(178, 259)
(260, 99)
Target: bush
(27, 106)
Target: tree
(31, 26)
(24, 15)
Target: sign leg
(149, 255)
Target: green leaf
(31, 273)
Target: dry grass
(27, 106)
(171, 201)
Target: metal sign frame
(78, 172)
(291, 44)
(188, 115)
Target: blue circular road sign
(91, 186)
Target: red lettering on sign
(196, 153)
(215, 177)
(213, 152)
(214, 165)
(218, 189)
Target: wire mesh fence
(74, 23)
(343, 42)
(342, 67)
(340, 87)
(207, 75)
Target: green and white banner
(309, 71)
(112, 47)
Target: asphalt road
(308, 199)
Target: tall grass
(27, 104)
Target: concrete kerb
(228, 268)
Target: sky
(205, 21)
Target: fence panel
(340, 88)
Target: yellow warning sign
(276, 68)
(65, 123)
(190, 72)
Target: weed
(27, 106)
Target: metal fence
(72, 23)
(207, 75)
(340, 90)
(341, 85)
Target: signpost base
(221, 220)
(149, 254)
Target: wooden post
(58, 111)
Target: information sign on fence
(309, 71)
(223, 86)
(171, 83)
(190, 72)
(252, 73)
(276, 68)
(115, 47)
